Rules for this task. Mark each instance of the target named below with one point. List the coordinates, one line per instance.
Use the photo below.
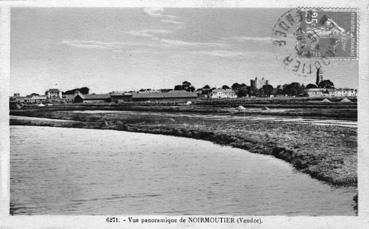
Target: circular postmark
(305, 40)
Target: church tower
(319, 76)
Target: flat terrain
(326, 150)
(299, 107)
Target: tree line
(242, 90)
(82, 90)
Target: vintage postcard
(225, 114)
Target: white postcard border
(361, 221)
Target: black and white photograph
(184, 111)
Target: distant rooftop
(170, 94)
(54, 90)
(95, 96)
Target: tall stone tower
(319, 76)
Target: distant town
(187, 92)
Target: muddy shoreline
(325, 165)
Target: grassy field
(287, 107)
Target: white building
(317, 92)
(35, 99)
(323, 92)
(223, 94)
(343, 92)
(53, 93)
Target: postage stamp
(306, 39)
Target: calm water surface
(85, 171)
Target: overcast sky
(132, 48)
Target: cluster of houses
(55, 96)
(222, 94)
(51, 96)
(331, 92)
(328, 92)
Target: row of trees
(323, 84)
(187, 86)
(242, 90)
(83, 90)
